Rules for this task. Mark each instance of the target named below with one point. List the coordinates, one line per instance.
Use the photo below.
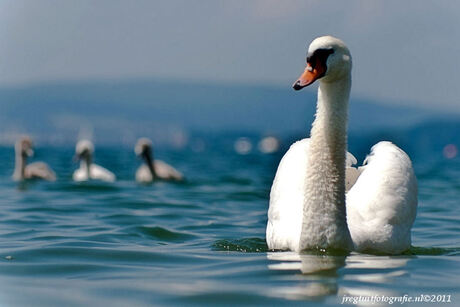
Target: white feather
(382, 204)
(96, 172)
(319, 200)
(163, 171)
(88, 170)
(286, 198)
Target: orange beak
(310, 75)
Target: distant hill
(426, 140)
(117, 112)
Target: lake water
(201, 242)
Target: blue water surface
(201, 242)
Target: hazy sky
(404, 52)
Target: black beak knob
(296, 86)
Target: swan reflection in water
(324, 275)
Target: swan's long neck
(324, 214)
(19, 166)
(148, 156)
(85, 163)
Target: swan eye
(319, 55)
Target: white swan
(88, 170)
(153, 169)
(308, 196)
(37, 170)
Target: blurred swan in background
(88, 170)
(152, 169)
(37, 170)
(318, 200)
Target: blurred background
(179, 71)
(210, 83)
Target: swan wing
(39, 170)
(287, 198)
(99, 173)
(165, 171)
(351, 173)
(382, 204)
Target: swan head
(24, 147)
(84, 150)
(328, 59)
(143, 147)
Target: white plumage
(318, 199)
(382, 204)
(88, 170)
(22, 170)
(163, 171)
(95, 172)
(153, 169)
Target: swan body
(89, 170)
(152, 169)
(95, 172)
(36, 170)
(318, 199)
